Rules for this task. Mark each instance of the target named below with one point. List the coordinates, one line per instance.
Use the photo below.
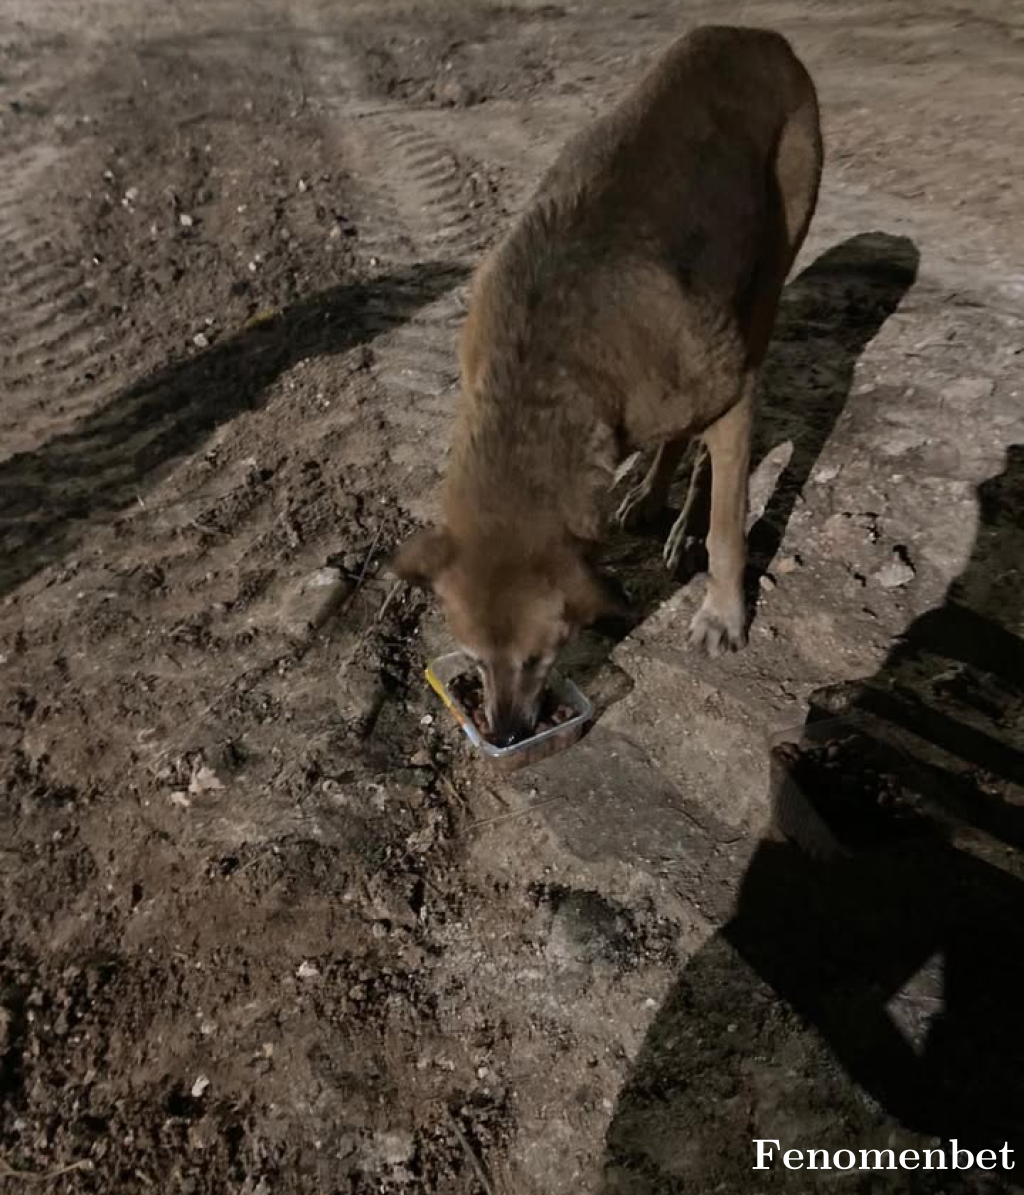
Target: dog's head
(510, 611)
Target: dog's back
(651, 227)
(685, 151)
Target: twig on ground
(366, 566)
(478, 1167)
(504, 817)
(203, 528)
(379, 616)
(385, 605)
(42, 1176)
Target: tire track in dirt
(52, 347)
(419, 198)
(424, 214)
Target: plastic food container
(816, 821)
(445, 669)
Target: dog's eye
(531, 663)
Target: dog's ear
(590, 598)
(423, 556)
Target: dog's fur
(630, 307)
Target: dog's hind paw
(683, 553)
(640, 507)
(717, 628)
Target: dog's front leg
(721, 622)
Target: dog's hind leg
(691, 527)
(797, 173)
(721, 622)
(646, 501)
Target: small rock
(201, 340)
(767, 582)
(199, 1086)
(308, 970)
(303, 186)
(360, 694)
(180, 798)
(394, 1148)
(421, 759)
(456, 93)
(131, 195)
(968, 391)
(204, 780)
(896, 574)
(427, 720)
(313, 599)
(900, 441)
(849, 531)
(185, 220)
(788, 564)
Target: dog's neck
(531, 467)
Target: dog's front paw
(719, 626)
(640, 507)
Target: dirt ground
(266, 925)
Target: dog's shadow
(828, 314)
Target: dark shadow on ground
(49, 496)
(871, 973)
(829, 313)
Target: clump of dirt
(588, 928)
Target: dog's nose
(509, 731)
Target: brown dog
(629, 307)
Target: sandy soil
(265, 925)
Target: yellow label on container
(263, 317)
(438, 686)
(441, 690)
